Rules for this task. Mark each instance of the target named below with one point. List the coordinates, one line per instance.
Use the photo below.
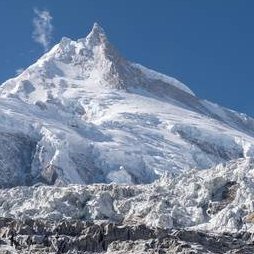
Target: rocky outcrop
(76, 236)
(16, 155)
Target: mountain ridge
(94, 116)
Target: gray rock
(76, 236)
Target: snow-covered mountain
(84, 114)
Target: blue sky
(207, 44)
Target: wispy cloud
(42, 28)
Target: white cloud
(42, 28)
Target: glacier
(218, 199)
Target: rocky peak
(97, 36)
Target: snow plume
(42, 28)
(19, 71)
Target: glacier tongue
(218, 199)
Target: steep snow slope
(84, 114)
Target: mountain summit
(92, 59)
(84, 114)
(97, 36)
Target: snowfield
(82, 114)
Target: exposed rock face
(16, 155)
(222, 197)
(75, 236)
